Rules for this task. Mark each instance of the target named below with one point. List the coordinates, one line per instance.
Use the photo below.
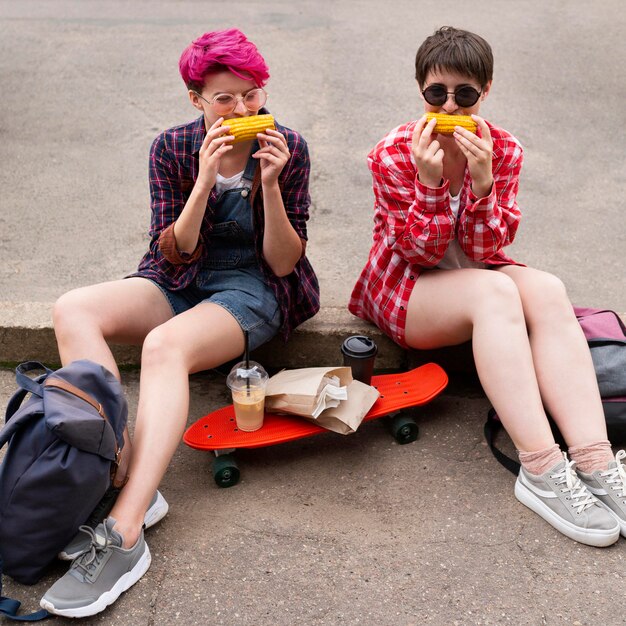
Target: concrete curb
(26, 333)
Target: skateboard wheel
(404, 429)
(225, 471)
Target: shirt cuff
(430, 199)
(481, 204)
(168, 248)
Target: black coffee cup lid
(359, 346)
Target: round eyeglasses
(225, 103)
(464, 95)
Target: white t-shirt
(455, 258)
(224, 184)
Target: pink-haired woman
(227, 255)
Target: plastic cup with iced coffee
(247, 382)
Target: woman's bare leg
(561, 356)
(452, 306)
(121, 311)
(201, 338)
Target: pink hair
(218, 51)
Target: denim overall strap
(231, 241)
(248, 174)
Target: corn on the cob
(446, 123)
(246, 128)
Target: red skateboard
(218, 432)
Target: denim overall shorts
(230, 275)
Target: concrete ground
(359, 530)
(328, 530)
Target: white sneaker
(560, 498)
(156, 512)
(609, 487)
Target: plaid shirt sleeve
(415, 221)
(167, 203)
(166, 197)
(294, 181)
(298, 293)
(167, 200)
(490, 223)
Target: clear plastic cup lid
(253, 375)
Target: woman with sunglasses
(226, 256)
(437, 275)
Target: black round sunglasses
(464, 95)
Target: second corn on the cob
(446, 123)
(246, 128)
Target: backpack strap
(18, 422)
(26, 382)
(15, 403)
(492, 427)
(10, 607)
(26, 385)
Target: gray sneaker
(609, 487)
(99, 575)
(82, 541)
(564, 502)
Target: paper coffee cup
(359, 352)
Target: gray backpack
(606, 335)
(64, 443)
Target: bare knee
(160, 347)
(545, 299)
(497, 296)
(547, 289)
(70, 312)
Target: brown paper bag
(347, 417)
(297, 392)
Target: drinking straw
(246, 352)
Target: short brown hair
(457, 51)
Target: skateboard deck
(218, 430)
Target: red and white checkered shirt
(413, 225)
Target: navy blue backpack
(64, 442)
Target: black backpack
(64, 443)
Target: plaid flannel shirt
(173, 171)
(413, 225)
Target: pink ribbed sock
(592, 456)
(540, 461)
